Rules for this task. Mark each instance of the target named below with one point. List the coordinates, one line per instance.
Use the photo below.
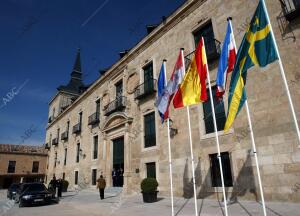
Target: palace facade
(113, 123)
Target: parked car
(33, 193)
(12, 190)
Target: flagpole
(216, 135)
(283, 75)
(252, 137)
(256, 159)
(169, 148)
(191, 146)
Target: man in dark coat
(101, 184)
(114, 177)
(52, 185)
(59, 187)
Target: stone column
(127, 153)
(107, 161)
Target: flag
(227, 61)
(192, 90)
(163, 102)
(161, 83)
(257, 48)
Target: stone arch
(116, 120)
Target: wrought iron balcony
(212, 48)
(64, 136)
(116, 105)
(145, 89)
(291, 9)
(47, 146)
(94, 118)
(77, 128)
(55, 141)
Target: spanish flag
(192, 90)
(257, 48)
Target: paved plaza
(87, 202)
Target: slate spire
(77, 73)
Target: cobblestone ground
(87, 202)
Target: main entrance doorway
(118, 162)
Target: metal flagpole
(256, 159)
(283, 75)
(252, 138)
(191, 146)
(216, 134)
(169, 147)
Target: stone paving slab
(87, 202)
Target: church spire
(75, 85)
(76, 73)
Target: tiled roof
(22, 149)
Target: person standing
(114, 177)
(59, 187)
(101, 184)
(121, 177)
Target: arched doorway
(117, 163)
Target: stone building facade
(21, 163)
(114, 124)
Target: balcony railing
(47, 146)
(77, 128)
(291, 9)
(145, 89)
(55, 141)
(212, 48)
(94, 118)
(64, 136)
(116, 105)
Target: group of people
(56, 186)
(117, 177)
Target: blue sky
(38, 45)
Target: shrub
(149, 185)
(65, 185)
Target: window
(80, 119)
(58, 134)
(55, 159)
(219, 111)
(68, 127)
(151, 170)
(64, 176)
(207, 32)
(65, 158)
(94, 176)
(148, 77)
(119, 89)
(76, 177)
(35, 166)
(149, 127)
(95, 148)
(98, 108)
(215, 170)
(77, 152)
(11, 167)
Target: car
(32, 194)
(12, 190)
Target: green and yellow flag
(257, 48)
